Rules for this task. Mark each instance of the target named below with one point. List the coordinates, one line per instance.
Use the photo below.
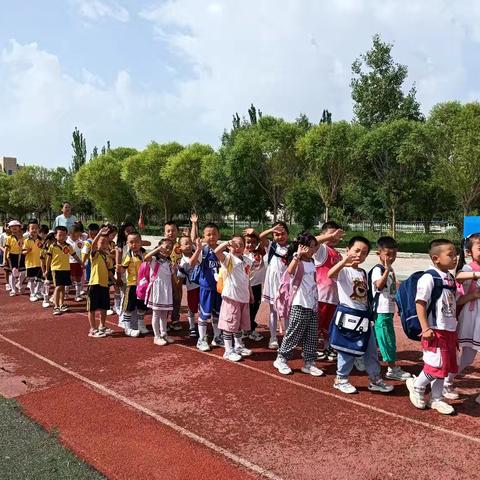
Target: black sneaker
(193, 333)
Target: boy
(170, 231)
(133, 309)
(193, 289)
(383, 287)
(3, 241)
(324, 259)
(92, 231)
(352, 287)
(439, 329)
(76, 267)
(98, 297)
(58, 262)
(13, 258)
(210, 299)
(32, 249)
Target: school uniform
(193, 289)
(210, 300)
(60, 263)
(276, 265)
(257, 279)
(33, 262)
(159, 293)
(98, 297)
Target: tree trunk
(426, 225)
(393, 221)
(275, 207)
(165, 210)
(234, 223)
(327, 212)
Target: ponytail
(305, 239)
(466, 245)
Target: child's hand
(248, 231)
(198, 242)
(302, 251)
(278, 230)
(336, 235)
(387, 263)
(351, 259)
(104, 231)
(194, 218)
(476, 293)
(428, 334)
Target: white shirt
(306, 295)
(446, 305)
(257, 273)
(386, 299)
(3, 239)
(77, 246)
(187, 268)
(352, 288)
(63, 221)
(236, 283)
(277, 264)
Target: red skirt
(440, 354)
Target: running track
(135, 411)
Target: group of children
(322, 301)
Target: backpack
(194, 276)
(373, 298)
(272, 252)
(287, 290)
(224, 271)
(407, 309)
(144, 280)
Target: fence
(405, 227)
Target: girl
(352, 286)
(302, 323)
(49, 240)
(236, 294)
(468, 275)
(76, 270)
(159, 293)
(276, 265)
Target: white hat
(14, 223)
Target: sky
(133, 71)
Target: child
(117, 293)
(384, 287)
(255, 253)
(14, 258)
(98, 297)
(210, 299)
(170, 231)
(324, 259)
(133, 309)
(193, 289)
(32, 249)
(276, 265)
(468, 275)
(76, 271)
(439, 325)
(352, 287)
(58, 262)
(47, 276)
(92, 231)
(236, 294)
(3, 240)
(159, 292)
(302, 324)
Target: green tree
(6, 185)
(329, 150)
(303, 201)
(79, 146)
(101, 182)
(377, 83)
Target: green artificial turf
(28, 452)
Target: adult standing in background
(66, 219)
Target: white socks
(272, 322)
(159, 323)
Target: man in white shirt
(66, 219)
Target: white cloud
(97, 9)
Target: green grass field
(28, 452)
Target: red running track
(136, 410)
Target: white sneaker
(396, 373)
(442, 407)
(450, 392)
(130, 332)
(33, 298)
(7, 287)
(168, 339)
(39, 296)
(243, 351)
(218, 342)
(57, 311)
(273, 343)
(417, 398)
(312, 369)
(202, 344)
(344, 386)
(282, 366)
(96, 334)
(45, 304)
(143, 329)
(78, 299)
(110, 312)
(12, 293)
(255, 336)
(359, 364)
(380, 386)
(159, 341)
(232, 356)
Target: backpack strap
(376, 297)
(272, 252)
(437, 292)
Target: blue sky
(136, 71)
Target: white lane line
(117, 396)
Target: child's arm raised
(462, 276)
(194, 230)
(102, 231)
(297, 256)
(382, 281)
(345, 262)
(325, 237)
(149, 255)
(196, 254)
(220, 249)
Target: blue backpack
(373, 298)
(407, 308)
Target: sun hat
(14, 223)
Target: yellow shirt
(32, 258)
(132, 263)
(13, 245)
(60, 256)
(100, 264)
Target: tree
(6, 185)
(398, 155)
(329, 149)
(303, 201)
(326, 117)
(101, 182)
(79, 146)
(377, 83)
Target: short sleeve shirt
(236, 279)
(386, 299)
(33, 258)
(60, 255)
(352, 288)
(132, 263)
(101, 263)
(307, 295)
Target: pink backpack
(144, 281)
(287, 290)
(473, 285)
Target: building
(8, 165)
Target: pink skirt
(234, 316)
(440, 354)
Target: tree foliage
(79, 146)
